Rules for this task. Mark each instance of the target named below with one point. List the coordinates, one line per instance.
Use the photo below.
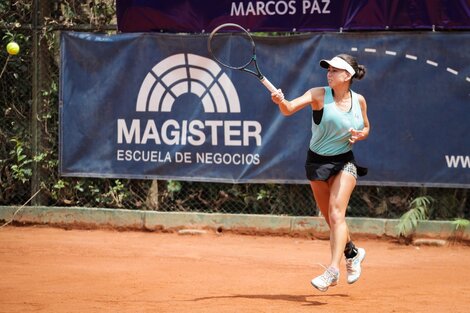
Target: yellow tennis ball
(13, 48)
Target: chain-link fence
(29, 138)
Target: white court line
(450, 70)
(390, 52)
(432, 63)
(370, 50)
(411, 57)
(353, 49)
(468, 79)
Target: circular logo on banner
(187, 73)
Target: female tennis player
(339, 119)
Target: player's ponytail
(360, 72)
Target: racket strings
(234, 50)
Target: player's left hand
(356, 135)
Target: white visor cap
(338, 63)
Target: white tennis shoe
(329, 278)
(353, 266)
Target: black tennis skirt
(320, 167)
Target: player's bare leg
(341, 187)
(332, 198)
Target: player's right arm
(313, 97)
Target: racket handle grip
(268, 84)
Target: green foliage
(16, 99)
(173, 186)
(94, 12)
(419, 211)
(20, 168)
(460, 223)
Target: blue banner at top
(157, 106)
(196, 16)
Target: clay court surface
(55, 270)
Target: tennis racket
(233, 47)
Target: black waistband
(318, 158)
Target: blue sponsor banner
(156, 106)
(288, 15)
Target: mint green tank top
(331, 136)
